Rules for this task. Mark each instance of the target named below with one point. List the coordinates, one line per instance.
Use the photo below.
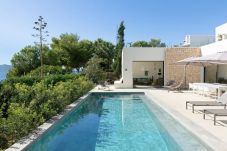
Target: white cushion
(223, 98)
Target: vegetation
(118, 51)
(151, 43)
(28, 99)
(93, 71)
(27, 102)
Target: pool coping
(204, 136)
(39, 131)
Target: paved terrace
(174, 104)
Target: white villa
(155, 66)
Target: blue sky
(168, 20)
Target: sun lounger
(215, 112)
(222, 101)
(203, 103)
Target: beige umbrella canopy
(193, 61)
(217, 58)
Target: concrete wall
(129, 55)
(176, 72)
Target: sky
(168, 20)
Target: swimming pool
(117, 122)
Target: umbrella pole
(185, 76)
(217, 74)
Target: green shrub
(93, 70)
(50, 79)
(48, 70)
(18, 124)
(32, 103)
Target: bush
(3, 141)
(27, 104)
(48, 70)
(50, 79)
(93, 70)
(18, 124)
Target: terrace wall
(176, 72)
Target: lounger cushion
(223, 98)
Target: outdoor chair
(170, 83)
(222, 101)
(216, 113)
(175, 86)
(104, 85)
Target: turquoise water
(117, 122)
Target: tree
(26, 60)
(140, 44)
(63, 47)
(118, 49)
(156, 43)
(104, 50)
(86, 49)
(93, 70)
(151, 43)
(71, 52)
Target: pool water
(117, 122)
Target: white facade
(130, 55)
(221, 32)
(197, 40)
(207, 44)
(219, 46)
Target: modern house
(156, 66)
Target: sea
(3, 75)
(4, 69)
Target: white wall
(213, 48)
(137, 54)
(218, 46)
(221, 30)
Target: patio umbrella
(217, 58)
(192, 61)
